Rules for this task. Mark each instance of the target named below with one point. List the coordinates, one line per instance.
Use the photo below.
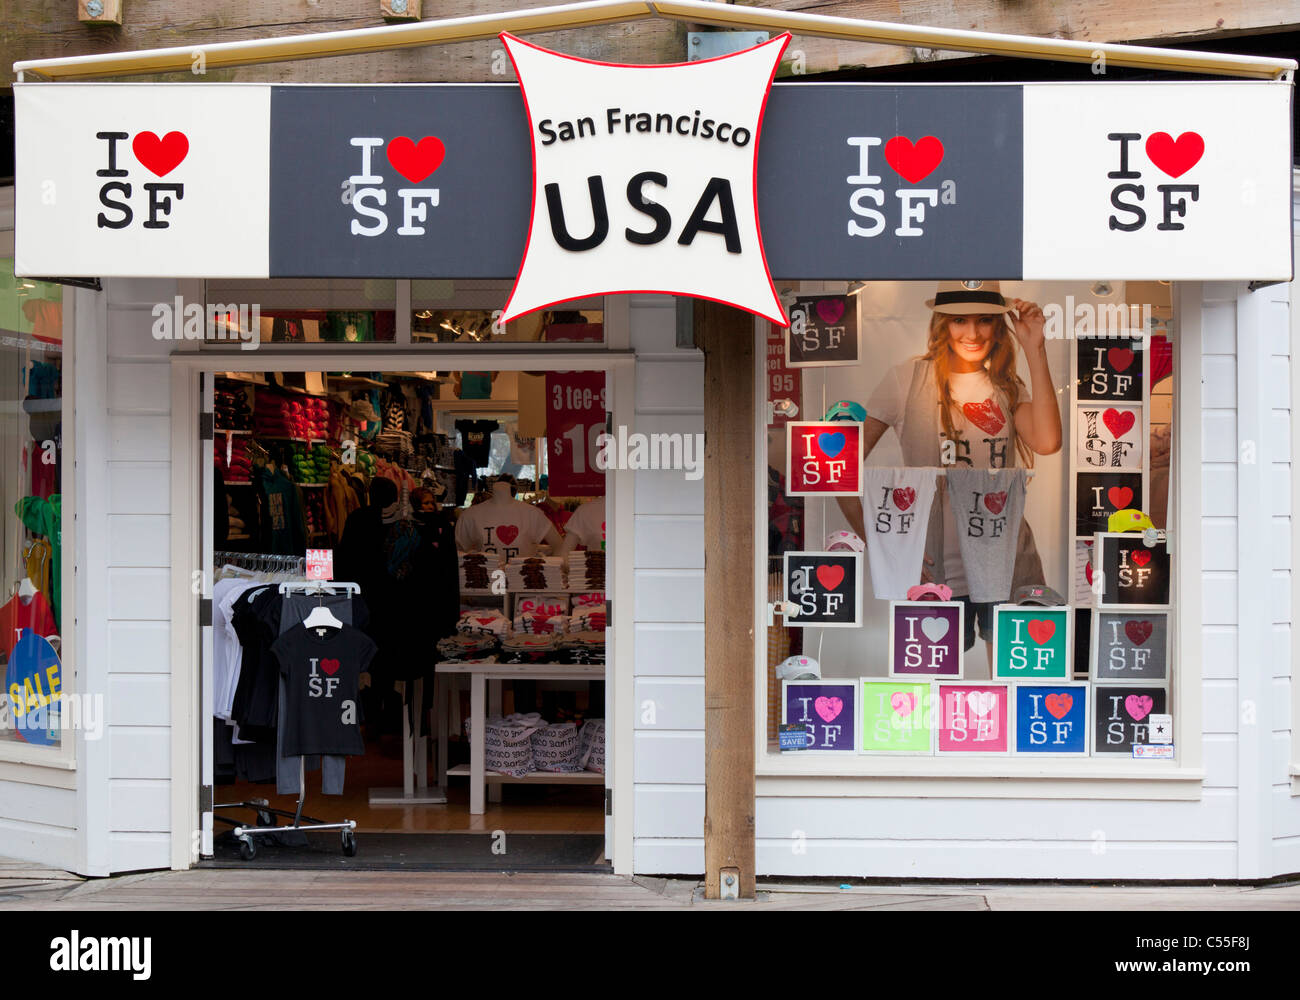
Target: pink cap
(929, 592)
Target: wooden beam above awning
(224, 55)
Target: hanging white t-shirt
(587, 524)
(506, 530)
(986, 440)
(896, 515)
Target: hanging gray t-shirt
(987, 506)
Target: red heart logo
(1119, 496)
(416, 161)
(995, 501)
(830, 576)
(1175, 156)
(485, 621)
(1059, 704)
(1141, 557)
(1120, 358)
(1138, 632)
(904, 498)
(507, 533)
(830, 310)
(1119, 422)
(987, 416)
(1087, 572)
(914, 163)
(1041, 630)
(330, 667)
(160, 156)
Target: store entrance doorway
(455, 551)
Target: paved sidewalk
(30, 887)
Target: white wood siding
(134, 577)
(668, 606)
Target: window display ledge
(986, 778)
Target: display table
(479, 675)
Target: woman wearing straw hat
(963, 403)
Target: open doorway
(475, 544)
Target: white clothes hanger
(321, 617)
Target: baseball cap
(929, 592)
(1039, 594)
(841, 541)
(799, 668)
(846, 409)
(1129, 519)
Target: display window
(36, 706)
(968, 496)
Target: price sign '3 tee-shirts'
(896, 506)
(322, 669)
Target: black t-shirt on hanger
(322, 669)
(476, 439)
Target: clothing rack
(261, 562)
(266, 814)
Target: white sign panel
(164, 179)
(644, 179)
(1159, 181)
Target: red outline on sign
(782, 321)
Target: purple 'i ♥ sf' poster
(925, 639)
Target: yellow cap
(1130, 519)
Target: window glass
(960, 479)
(31, 549)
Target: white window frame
(1012, 776)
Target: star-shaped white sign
(643, 179)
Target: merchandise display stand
(415, 790)
(476, 771)
(265, 814)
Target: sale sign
(320, 564)
(575, 420)
(896, 717)
(1052, 719)
(1031, 643)
(826, 709)
(973, 718)
(823, 458)
(926, 638)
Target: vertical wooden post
(726, 336)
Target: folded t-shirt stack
(581, 647)
(520, 647)
(535, 573)
(474, 571)
(588, 618)
(540, 623)
(492, 623)
(232, 410)
(587, 570)
(468, 649)
(279, 416)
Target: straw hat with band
(969, 298)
